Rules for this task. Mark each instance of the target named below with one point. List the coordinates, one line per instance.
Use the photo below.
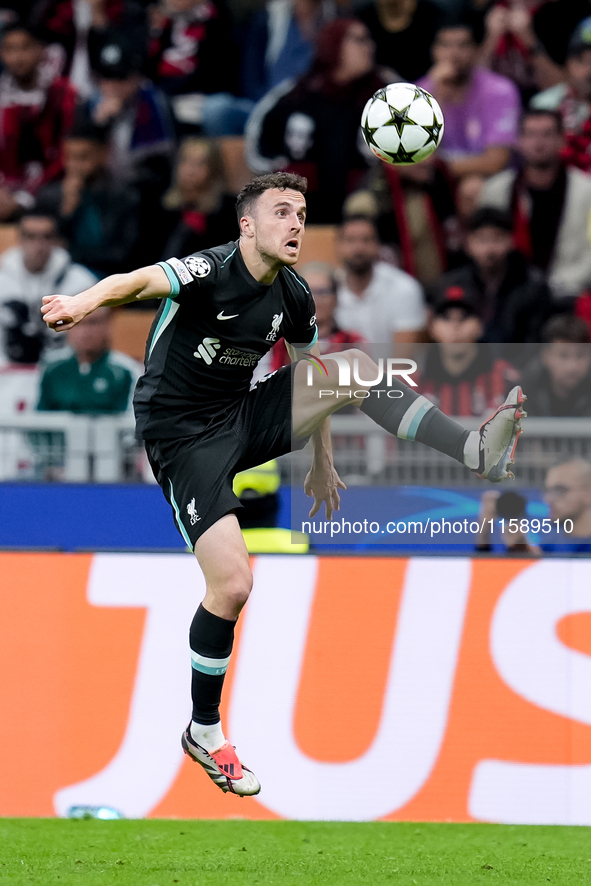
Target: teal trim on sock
(217, 667)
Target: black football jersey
(209, 335)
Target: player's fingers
(340, 484)
(315, 508)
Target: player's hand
(61, 312)
(324, 483)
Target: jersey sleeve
(300, 328)
(190, 273)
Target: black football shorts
(196, 473)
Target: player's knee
(361, 364)
(360, 368)
(236, 586)
(239, 592)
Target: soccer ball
(402, 124)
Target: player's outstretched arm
(61, 312)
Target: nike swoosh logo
(229, 317)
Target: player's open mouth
(292, 245)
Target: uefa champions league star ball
(402, 124)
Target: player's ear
(247, 225)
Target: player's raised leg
(223, 557)
(488, 452)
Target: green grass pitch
(55, 852)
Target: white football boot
(498, 438)
(223, 767)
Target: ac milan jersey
(209, 335)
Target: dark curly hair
(253, 190)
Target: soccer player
(202, 421)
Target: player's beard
(269, 254)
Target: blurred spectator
(550, 204)
(559, 382)
(97, 217)
(29, 271)
(403, 31)
(193, 59)
(554, 24)
(481, 108)
(134, 113)
(312, 127)
(568, 493)
(377, 300)
(506, 506)
(413, 207)
(322, 281)
(36, 110)
(19, 392)
(141, 136)
(77, 29)
(511, 297)
(280, 43)
(198, 211)
(512, 48)
(467, 196)
(460, 376)
(94, 379)
(573, 98)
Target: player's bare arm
(61, 312)
(322, 481)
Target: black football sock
(211, 639)
(413, 417)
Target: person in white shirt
(38, 266)
(380, 302)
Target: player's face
(279, 217)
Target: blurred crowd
(115, 117)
